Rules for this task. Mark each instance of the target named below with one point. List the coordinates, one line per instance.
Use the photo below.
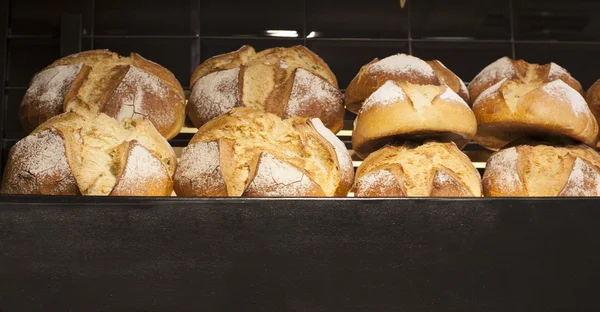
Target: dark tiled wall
(464, 34)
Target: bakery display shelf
(243, 254)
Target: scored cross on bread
(430, 169)
(519, 70)
(400, 68)
(405, 111)
(75, 153)
(537, 169)
(247, 152)
(103, 81)
(529, 101)
(283, 81)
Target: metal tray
(190, 254)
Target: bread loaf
(593, 99)
(246, 152)
(103, 81)
(405, 111)
(519, 70)
(91, 154)
(431, 169)
(543, 170)
(399, 68)
(283, 81)
(530, 101)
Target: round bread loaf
(431, 169)
(399, 68)
(532, 106)
(247, 152)
(593, 99)
(103, 81)
(543, 170)
(405, 111)
(283, 81)
(519, 70)
(91, 154)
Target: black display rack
(335, 254)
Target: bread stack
(537, 118)
(410, 127)
(98, 124)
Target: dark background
(465, 35)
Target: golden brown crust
(337, 150)
(38, 165)
(385, 181)
(512, 110)
(403, 111)
(444, 183)
(310, 96)
(538, 169)
(92, 154)
(264, 180)
(430, 169)
(204, 177)
(593, 99)
(222, 62)
(399, 68)
(139, 172)
(283, 81)
(519, 70)
(93, 78)
(450, 79)
(295, 151)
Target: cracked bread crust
(91, 154)
(251, 153)
(405, 111)
(103, 81)
(519, 70)
(532, 108)
(431, 169)
(540, 169)
(400, 68)
(283, 81)
(592, 97)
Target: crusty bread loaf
(103, 81)
(405, 111)
(543, 170)
(431, 169)
(593, 99)
(91, 154)
(283, 81)
(532, 107)
(247, 152)
(519, 70)
(399, 68)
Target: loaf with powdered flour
(404, 111)
(91, 154)
(246, 152)
(542, 169)
(400, 68)
(507, 68)
(283, 81)
(529, 101)
(429, 169)
(103, 81)
(593, 99)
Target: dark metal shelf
(222, 254)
